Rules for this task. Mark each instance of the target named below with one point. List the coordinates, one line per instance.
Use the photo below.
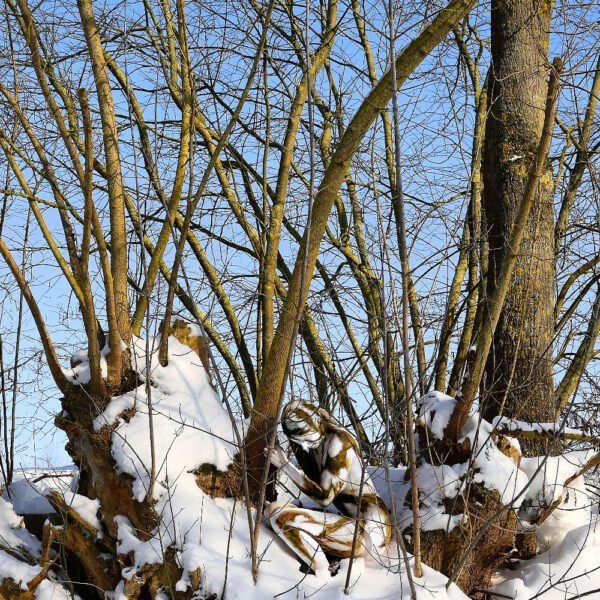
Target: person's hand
(278, 457)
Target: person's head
(302, 422)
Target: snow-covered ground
(19, 551)
(27, 493)
(192, 428)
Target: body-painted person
(332, 473)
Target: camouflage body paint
(331, 470)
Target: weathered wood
(444, 551)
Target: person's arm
(323, 493)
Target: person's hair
(302, 420)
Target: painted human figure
(332, 474)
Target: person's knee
(274, 508)
(379, 533)
(278, 514)
(378, 524)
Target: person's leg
(338, 537)
(377, 520)
(309, 532)
(299, 529)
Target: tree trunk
(518, 376)
(100, 479)
(264, 414)
(445, 551)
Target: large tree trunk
(518, 378)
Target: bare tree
(167, 154)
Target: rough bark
(518, 376)
(119, 324)
(99, 479)
(444, 551)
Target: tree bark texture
(518, 376)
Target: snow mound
(191, 428)
(566, 571)
(547, 477)
(85, 507)
(177, 408)
(79, 373)
(20, 551)
(16, 543)
(568, 534)
(29, 489)
(435, 411)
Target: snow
(14, 537)
(490, 466)
(568, 538)
(27, 492)
(191, 428)
(17, 570)
(52, 590)
(505, 424)
(19, 550)
(436, 485)
(144, 553)
(547, 486)
(28, 498)
(12, 532)
(494, 469)
(86, 508)
(567, 570)
(79, 373)
(435, 410)
(210, 536)
(375, 577)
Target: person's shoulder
(339, 440)
(336, 437)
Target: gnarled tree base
(457, 555)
